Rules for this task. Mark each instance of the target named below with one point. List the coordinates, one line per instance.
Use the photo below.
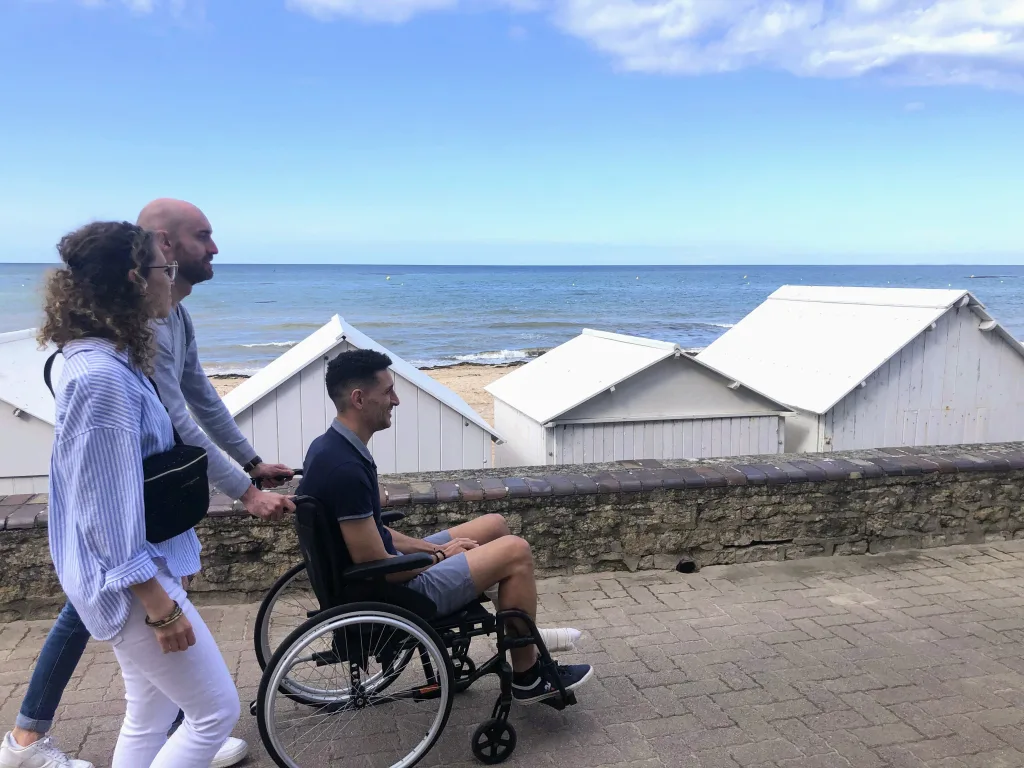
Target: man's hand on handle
(266, 506)
(272, 475)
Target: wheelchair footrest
(558, 703)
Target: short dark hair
(352, 370)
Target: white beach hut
(607, 397)
(879, 367)
(284, 407)
(26, 414)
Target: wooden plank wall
(956, 384)
(678, 439)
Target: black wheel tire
(493, 741)
(263, 653)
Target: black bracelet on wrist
(172, 617)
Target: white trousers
(158, 684)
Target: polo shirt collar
(353, 438)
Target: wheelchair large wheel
(289, 603)
(348, 654)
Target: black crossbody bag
(176, 488)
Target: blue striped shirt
(108, 420)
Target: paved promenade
(913, 659)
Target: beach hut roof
(21, 374)
(320, 343)
(809, 347)
(582, 368)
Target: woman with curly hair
(109, 419)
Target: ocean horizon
(436, 315)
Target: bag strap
(48, 367)
(177, 437)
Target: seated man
(468, 559)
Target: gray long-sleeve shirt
(184, 388)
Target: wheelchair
(376, 651)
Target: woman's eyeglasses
(171, 269)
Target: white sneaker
(42, 754)
(560, 639)
(233, 751)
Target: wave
(497, 357)
(538, 324)
(503, 355)
(269, 344)
(231, 370)
(722, 325)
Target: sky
(523, 131)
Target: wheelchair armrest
(391, 517)
(378, 569)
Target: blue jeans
(56, 664)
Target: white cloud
(931, 42)
(392, 11)
(913, 106)
(177, 8)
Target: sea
(444, 315)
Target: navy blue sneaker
(533, 686)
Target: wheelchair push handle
(258, 481)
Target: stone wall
(630, 515)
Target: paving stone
(880, 735)
(764, 751)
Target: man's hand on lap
(456, 546)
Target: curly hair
(91, 296)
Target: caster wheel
(493, 741)
(253, 707)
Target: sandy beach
(467, 381)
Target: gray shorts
(448, 583)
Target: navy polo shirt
(340, 473)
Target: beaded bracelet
(173, 617)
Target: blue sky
(523, 131)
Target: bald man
(185, 236)
(197, 412)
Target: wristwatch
(256, 461)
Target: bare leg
(24, 737)
(482, 530)
(487, 528)
(508, 562)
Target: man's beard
(194, 273)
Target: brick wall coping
(23, 511)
